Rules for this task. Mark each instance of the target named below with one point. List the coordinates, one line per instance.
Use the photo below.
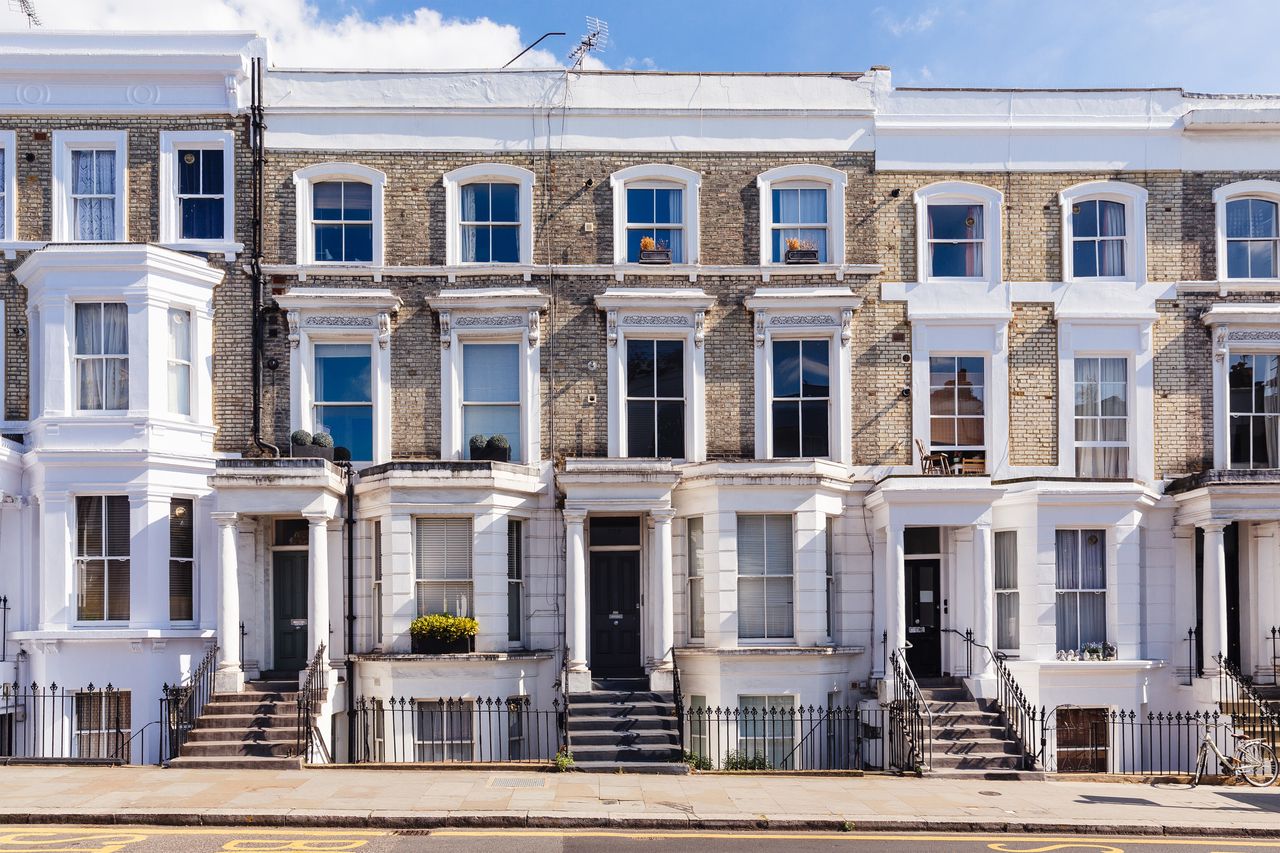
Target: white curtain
(179, 362)
(669, 206)
(94, 175)
(115, 341)
(813, 206)
(1006, 584)
(697, 604)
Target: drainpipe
(257, 130)
(349, 607)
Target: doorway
(1231, 549)
(615, 614)
(289, 610)
(924, 616)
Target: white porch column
(576, 600)
(317, 582)
(895, 590)
(984, 617)
(228, 678)
(664, 624)
(1214, 605)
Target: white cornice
(490, 299)
(1242, 314)
(330, 298)
(86, 262)
(686, 298)
(801, 298)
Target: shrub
(564, 761)
(741, 761)
(443, 627)
(498, 446)
(341, 454)
(322, 439)
(300, 436)
(477, 444)
(696, 761)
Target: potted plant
(498, 448)
(652, 252)
(478, 445)
(304, 445)
(442, 634)
(800, 252)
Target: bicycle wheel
(1258, 765)
(1202, 761)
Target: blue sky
(1201, 46)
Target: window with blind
(515, 580)
(1006, 569)
(697, 603)
(442, 554)
(182, 562)
(104, 723)
(1102, 417)
(1081, 583)
(445, 731)
(831, 579)
(102, 558)
(376, 591)
(765, 577)
(201, 193)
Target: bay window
(1102, 417)
(343, 404)
(1253, 381)
(102, 356)
(102, 558)
(801, 398)
(1080, 581)
(766, 560)
(655, 398)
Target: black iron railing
(66, 725)
(1250, 713)
(182, 704)
(4, 628)
(1022, 719)
(450, 731)
(1131, 743)
(1274, 637)
(678, 696)
(784, 738)
(562, 702)
(310, 745)
(1194, 670)
(910, 720)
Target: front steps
(969, 735)
(256, 729)
(623, 726)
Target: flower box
(436, 646)
(655, 256)
(801, 256)
(310, 451)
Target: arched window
(339, 214)
(802, 214)
(1104, 232)
(658, 202)
(1248, 230)
(489, 215)
(958, 232)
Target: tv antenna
(28, 8)
(593, 41)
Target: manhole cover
(517, 782)
(991, 793)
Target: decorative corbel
(699, 331)
(611, 326)
(535, 328)
(1220, 345)
(846, 327)
(294, 319)
(446, 334)
(384, 329)
(760, 327)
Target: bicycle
(1254, 761)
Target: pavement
(427, 799)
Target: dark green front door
(289, 594)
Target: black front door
(289, 594)
(924, 611)
(615, 614)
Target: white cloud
(299, 36)
(908, 25)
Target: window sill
(113, 631)
(783, 650)
(619, 271)
(12, 247)
(226, 248)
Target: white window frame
(521, 583)
(793, 312)
(1134, 199)
(1236, 328)
(1131, 436)
(961, 192)
(490, 315)
(657, 314)
(695, 584)
(106, 559)
(781, 744)
(499, 173)
(418, 580)
(657, 176)
(804, 176)
(1013, 592)
(171, 141)
(1260, 189)
(1105, 590)
(304, 181)
(987, 425)
(340, 316)
(63, 209)
(9, 210)
(450, 747)
(1255, 352)
(190, 363)
(190, 561)
(795, 555)
(377, 576)
(77, 358)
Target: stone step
(238, 762)
(272, 709)
(272, 684)
(994, 775)
(643, 738)
(945, 694)
(979, 761)
(615, 754)
(648, 722)
(247, 721)
(619, 684)
(607, 697)
(628, 709)
(257, 696)
(950, 719)
(245, 735)
(976, 746)
(966, 732)
(231, 748)
(970, 707)
(668, 768)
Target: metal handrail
(563, 718)
(678, 696)
(1274, 636)
(181, 704)
(1021, 717)
(911, 723)
(1234, 691)
(306, 732)
(4, 628)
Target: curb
(420, 821)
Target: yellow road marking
(1100, 848)
(1092, 843)
(42, 841)
(211, 830)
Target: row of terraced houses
(777, 394)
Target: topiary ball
(300, 436)
(322, 439)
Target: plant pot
(434, 646)
(497, 454)
(310, 451)
(655, 256)
(801, 256)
